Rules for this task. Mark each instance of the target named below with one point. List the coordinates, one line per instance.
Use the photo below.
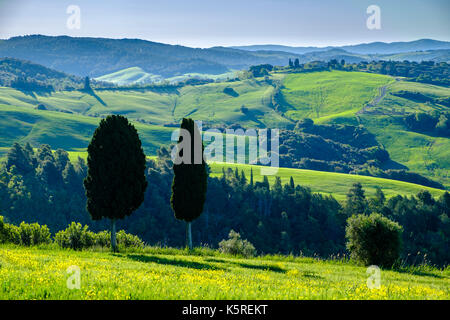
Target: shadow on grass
(172, 262)
(263, 267)
(418, 273)
(311, 275)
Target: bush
(78, 237)
(33, 234)
(8, 233)
(236, 246)
(75, 236)
(128, 240)
(374, 239)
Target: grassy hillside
(63, 130)
(331, 183)
(138, 75)
(330, 94)
(129, 75)
(335, 184)
(345, 98)
(32, 273)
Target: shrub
(75, 236)
(236, 246)
(103, 239)
(78, 237)
(8, 232)
(374, 239)
(32, 234)
(129, 240)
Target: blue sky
(205, 23)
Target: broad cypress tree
(190, 180)
(115, 182)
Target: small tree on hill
(190, 177)
(374, 239)
(115, 182)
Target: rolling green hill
(129, 75)
(69, 117)
(323, 96)
(63, 130)
(331, 183)
(136, 75)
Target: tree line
(46, 187)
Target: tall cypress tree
(115, 182)
(190, 180)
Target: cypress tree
(291, 183)
(190, 180)
(115, 182)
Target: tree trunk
(113, 235)
(188, 235)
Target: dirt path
(382, 92)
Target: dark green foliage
(339, 148)
(425, 71)
(115, 183)
(374, 240)
(260, 70)
(28, 76)
(435, 123)
(290, 219)
(230, 91)
(190, 180)
(356, 200)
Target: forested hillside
(47, 187)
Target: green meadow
(71, 116)
(338, 92)
(156, 273)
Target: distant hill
(99, 56)
(13, 71)
(365, 48)
(96, 57)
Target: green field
(63, 130)
(72, 116)
(343, 93)
(159, 106)
(331, 183)
(137, 75)
(328, 183)
(154, 273)
(129, 75)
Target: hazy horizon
(230, 45)
(205, 24)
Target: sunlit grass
(33, 273)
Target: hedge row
(75, 236)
